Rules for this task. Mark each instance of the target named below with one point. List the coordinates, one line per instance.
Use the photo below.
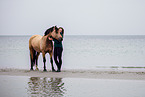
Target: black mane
(50, 30)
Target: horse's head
(56, 33)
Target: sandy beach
(97, 74)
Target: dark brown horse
(38, 44)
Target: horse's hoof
(31, 69)
(37, 69)
(58, 71)
(53, 70)
(45, 70)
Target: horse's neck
(46, 40)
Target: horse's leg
(32, 58)
(31, 62)
(38, 53)
(44, 61)
(51, 60)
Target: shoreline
(93, 74)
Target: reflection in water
(53, 87)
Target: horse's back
(34, 42)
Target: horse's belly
(37, 49)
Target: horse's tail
(32, 51)
(34, 57)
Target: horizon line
(85, 35)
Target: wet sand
(96, 74)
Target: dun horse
(38, 44)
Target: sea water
(79, 52)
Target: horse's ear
(53, 28)
(56, 28)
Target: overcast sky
(78, 17)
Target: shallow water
(80, 52)
(23, 86)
